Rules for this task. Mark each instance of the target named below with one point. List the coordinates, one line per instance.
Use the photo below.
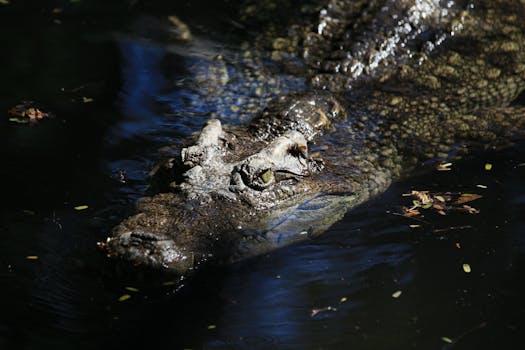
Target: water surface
(142, 101)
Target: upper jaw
(275, 176)
(143, 248)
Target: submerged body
(393, 84)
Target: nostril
(299, 151)
(143, 236)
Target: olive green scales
(391, 84)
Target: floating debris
(440, 202)
(488, 167)
(397, 294)
(81, 207)
(444, 167)
(411, 212)
(482, 186)
(87, 99)
(212, 326)
(343, 300)
(447, 340)
(467, 197)
(124, 297)
(32, 257)
(27, 112)
(324, 309)
(450, 228)
(470, 210)
(440, 198)
(180, 29)
(19, 121)
(467, 268)
(132, 289)
(122, 177)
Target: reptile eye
(266, 176)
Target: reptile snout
(148, 249)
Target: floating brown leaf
(470, 210)
(467, 197)
(26, 112)
(410, 212)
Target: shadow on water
(99, 153)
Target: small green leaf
(447, 340)
(20, 121)
(169, 283)
(132, 289)
(440, 198)
(397, 294)
(343, 300)
(124, 297)
(467, 268)
(81, 207)
(87, 99)
(212, 326)
(488, 167)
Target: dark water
(68, 297)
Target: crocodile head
(243, 192)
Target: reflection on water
(142, 81)
(68, 297)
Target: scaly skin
(393, 84)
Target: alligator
(393, 86)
